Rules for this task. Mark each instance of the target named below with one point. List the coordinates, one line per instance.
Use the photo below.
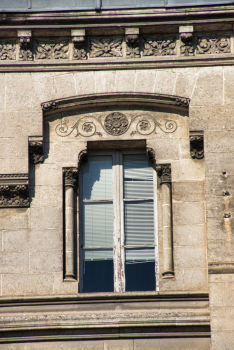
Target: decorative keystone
(196, 145)
(164, 172)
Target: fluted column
(164, 171)
(70, 175)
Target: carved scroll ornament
(115, 124)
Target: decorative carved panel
(115, 124)
(158, 46)
(48, 49)
(7, 50)
(213, 44)
(106, 47)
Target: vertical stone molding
(79, 48)
(25, 45)
(70, 176)
(164, 172)
(186, 37)
(132, 42)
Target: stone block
(33, 240)
(125, 80)
(21, 93)
(14, 165)
(45, 86)
(188, 191)
(46, 262)
(85, 82)
(228, 76)
(189, 235)
(66, 152)
(188, 213)
(105, 81)
(190, 257)
(46, 218)
(145, 81)
(27, 284)
(211, 118)
(49, 175)
(65, 345)
(165, 82)
(215, 229)
(14, 262)
(2, 92)
(187, 170)
(51, 196)
(167, 150)
(118, 344)
(13, 219)
(220, 250)
(65, 85)
(63, 287)
(185, 84)
(222, 295)
(173, 344)
(196, 279)
(209, 87)
(172, 284)
(217, 185)
(218, 141)
(216, 207)
(216, 163)
(15, 148)
(222, 340)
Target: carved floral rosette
(115, 124)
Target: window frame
(118, 218)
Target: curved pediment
(131, 98)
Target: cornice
(176, 16)
(92, 100)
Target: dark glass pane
(139, 270)
(98, 276)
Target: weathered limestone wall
(31, 259)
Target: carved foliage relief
(213, 44)
(52, 49)
(106, 47)
(7, 50)
(156, 46)
(116, 124)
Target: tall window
(118, 223)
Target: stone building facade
(156, 82)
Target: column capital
(70, 176)
(164, 172)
